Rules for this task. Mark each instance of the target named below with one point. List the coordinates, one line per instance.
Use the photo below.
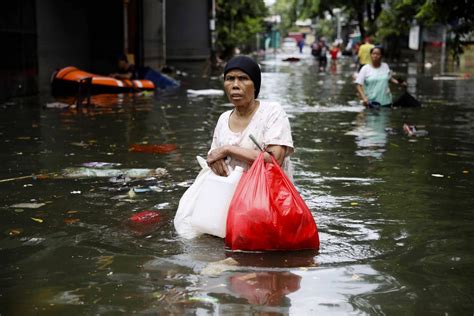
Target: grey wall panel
(82, 33)
(63, 34)
(187, 29)
(152, 36)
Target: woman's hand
(219, 167)
(365, 101)
(217, 154)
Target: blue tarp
(160, 80)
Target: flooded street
(394, 213)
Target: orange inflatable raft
(67, 80)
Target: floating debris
(205, 92)
(215, 268)
(28, 205)
(135, 173)
(56, 105)
(101, 165)
(411, 130)
(154, 148)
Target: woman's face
(239, 88)
(376, 56)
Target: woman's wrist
(227, 150)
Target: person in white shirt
(266, 121)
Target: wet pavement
(394, 211)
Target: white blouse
(269, 125)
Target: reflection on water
(370, 132)
(265, 288)
(394, 238)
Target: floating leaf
(71, 220)
(38, 220)
(203, 299)
(15, 231)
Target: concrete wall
(152, 33)
(18, 53)
(187, 29)
(86, 34)
(41, 36)
(63, 34)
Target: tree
(238, 21)
(390, 18)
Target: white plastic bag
(212, 205)
(182, 219)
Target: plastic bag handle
(255, 142)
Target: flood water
(395, 213)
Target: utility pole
(337, 12)
(443, 49)
(163, 29)
(212, 28)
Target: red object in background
(267, 213)
(298, 36)
(146, 217)
(156, 149)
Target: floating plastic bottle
(212, 205)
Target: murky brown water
(394, 212)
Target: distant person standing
(301, 45)
(373, 79)
(315, 49)
(364, 52)
(334, 52)
(323, 59)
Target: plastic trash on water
(102, 165)
(56, 105)
(213, 201)
(153, 148)
(28, 205)
(205, 92)
(144, 223)
(411, 130)
(146, 217)
(134, 173)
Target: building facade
(41, 36)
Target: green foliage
(237, 23)
(393, 20)
(397, 20)
(286, 10)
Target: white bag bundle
(204, 206)
(182, 219)
(212, 204)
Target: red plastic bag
(267, 213)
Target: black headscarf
(247, 65)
